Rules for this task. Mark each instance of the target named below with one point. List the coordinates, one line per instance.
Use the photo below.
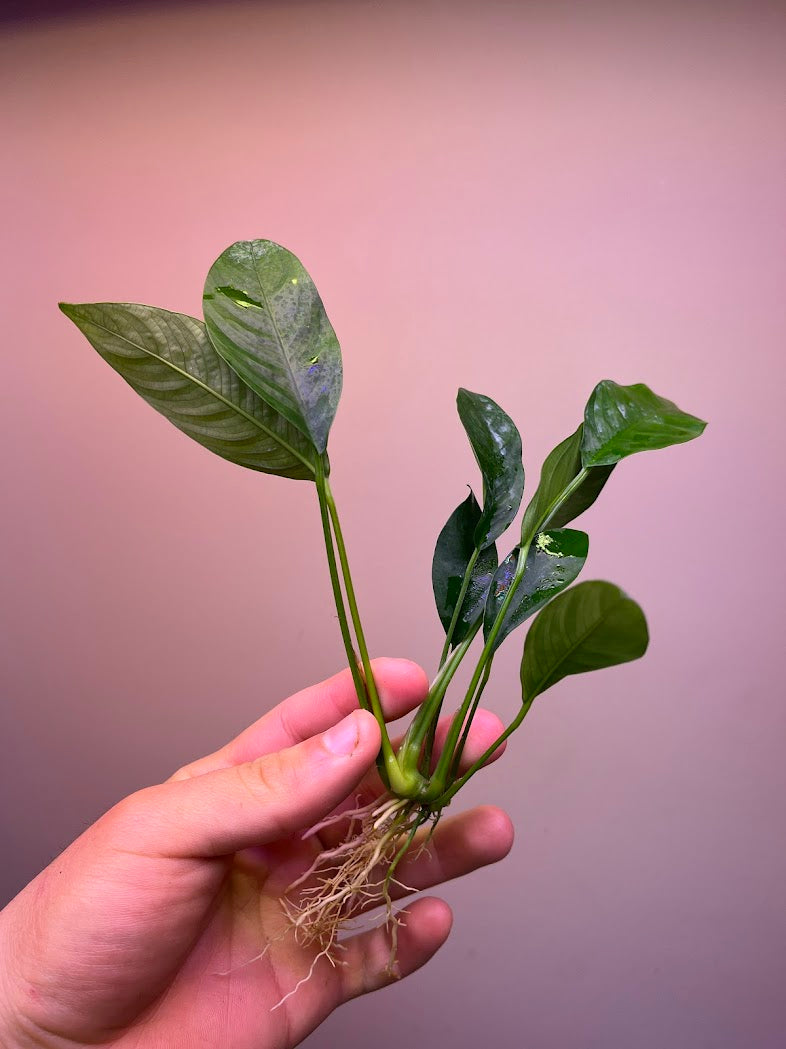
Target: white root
(305, 979)
(356, 875)
(337, 817)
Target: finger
(402, 686)
(424, 927)
(260, 801)
(485, 728)
(458, 846)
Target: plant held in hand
(258, 383)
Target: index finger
(402, 686)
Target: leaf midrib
(573, 647)
(209, 389)
(280, 340)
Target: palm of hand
(194, 964)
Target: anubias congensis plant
(258, 383)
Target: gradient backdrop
(518, 198)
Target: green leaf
(266, 319)
(496, 445)
(621, 420)
(452, 554)
(170, 362)
(560, 467)
(553, 562)
(591, 626)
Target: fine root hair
(358, 874)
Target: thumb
(257, 802)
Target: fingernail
(343, 737)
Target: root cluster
(355, 876)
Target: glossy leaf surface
(591, 626)
(496, 445)
(560, 467)
(266, 319)
(170, 362)
(452, 554)
(622, 420)
(553, 561)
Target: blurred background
(520, 198)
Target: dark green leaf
(266, 319)
(591, 626)
(169, 360)
(554, 560)
(561, 466)
(452, 554)
(621, 420)
(496, 444)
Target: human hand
(141, 933)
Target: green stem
(457, 609)
(454, 767)
(419, 821)
(338, 597)
(399, 784)
(445, 798)
(439, 779)
(563, 496)
(431, 727)
(424, 723)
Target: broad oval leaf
(554, 560)
(622, 420)
(591, 626)
(496, 445)
(452, 554)
(266, 319)
(170, 362)
(561, 466)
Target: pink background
(517, 198)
